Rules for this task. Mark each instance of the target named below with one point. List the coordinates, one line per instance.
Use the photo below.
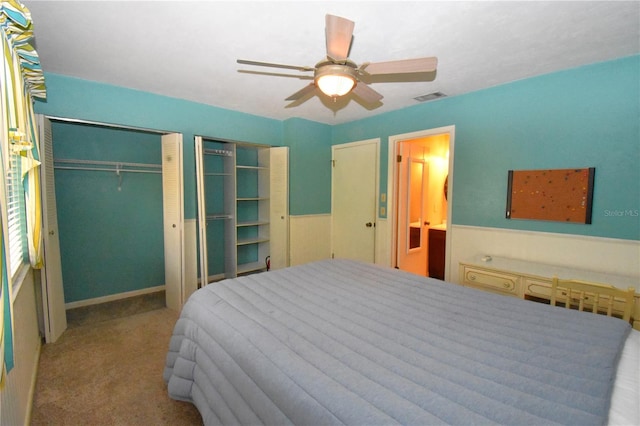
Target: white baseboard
(112, 297)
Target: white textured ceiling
(188, 50)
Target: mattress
(343, 342)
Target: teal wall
(74, 98)
(585, 117)
(111, 232)
(309, 166)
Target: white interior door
(173, 220)
(279, 207)
(353, 206)
(55, 315)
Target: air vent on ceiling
(430, 97)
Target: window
(16, 215)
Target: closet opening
(112, 225)
(242, 208)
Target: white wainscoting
(17, 396)
(309, 238)
(383, 243)
(608, 255)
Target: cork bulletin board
(563, 195)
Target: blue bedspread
(343, 342)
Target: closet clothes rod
(220, 152)
(106, 166)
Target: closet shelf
(252, 223)
(245, 241)
(252, 198)
(252, 167)
(219, 216)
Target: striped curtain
(21, 80)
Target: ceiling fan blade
(366, 93)
(277, 74)
(302, 92)
(269, 64)
(302, 96)
(338, 32)
(405, 66)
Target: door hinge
(333, 163)
(399, 158)
(333, 255)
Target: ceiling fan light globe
(335, 80)
(335, 85)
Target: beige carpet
(110, 373)
(93, 314)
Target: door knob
(368, 224)
(51, 232)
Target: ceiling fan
(337, 75)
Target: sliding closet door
(55, 316)
(173, 219)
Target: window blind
(15, 213)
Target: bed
(344, 342)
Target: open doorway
(421, 185)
